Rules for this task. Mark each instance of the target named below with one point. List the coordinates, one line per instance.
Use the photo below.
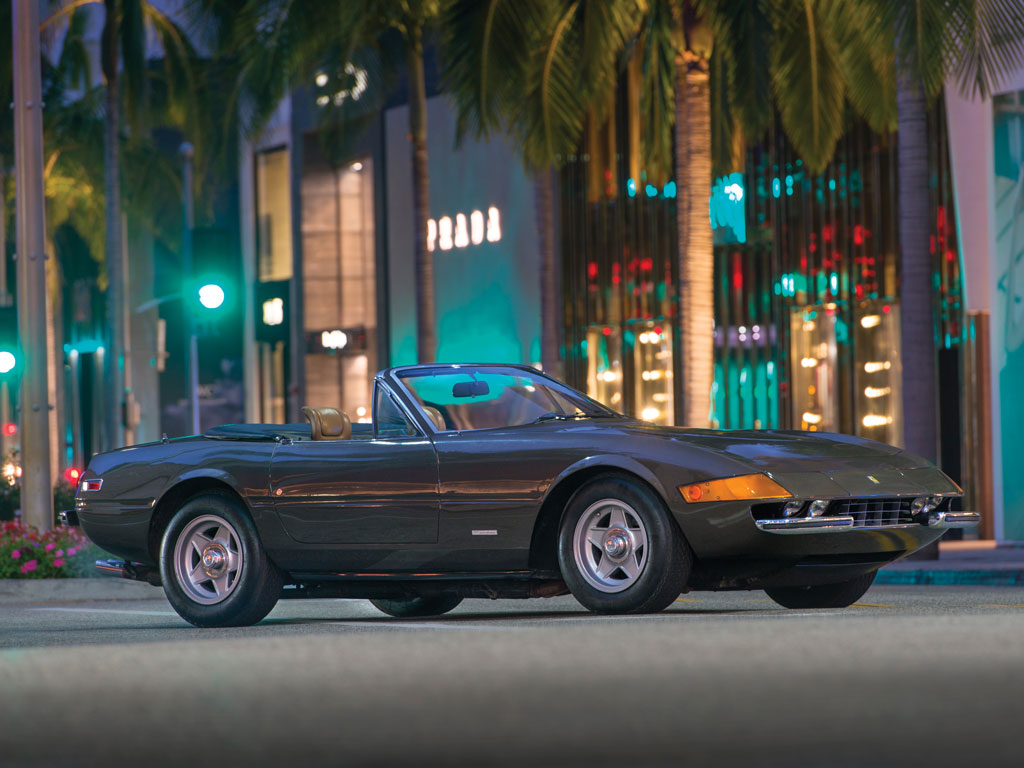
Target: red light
(592, 270)
(10, 430)
(885, 309)
(607, 331)
(72, 474)
(657, 329)
(858, 235)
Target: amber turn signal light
(742, 488)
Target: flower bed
(26, 553)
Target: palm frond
(868, 59)
(987, 43)
(658, 48)
(808, 80)
(485, 47)
(743, 39)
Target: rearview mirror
(470, 389)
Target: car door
(492, 482)
(376, 488)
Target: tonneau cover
(268, 432)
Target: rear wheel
(619, 550)
(840, 595)
(213, 568)
(417, 607)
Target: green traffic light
(211, 296)
(7, 361)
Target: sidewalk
(961, 562)
(22, 591)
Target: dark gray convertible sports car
(497, 481)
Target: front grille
(873, 513)
(869, 512)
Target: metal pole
(187, 152)
(126, 345)
(36, 485)
(5, 301)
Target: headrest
(328, 423)
(436, 417)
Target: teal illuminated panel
(483, 236)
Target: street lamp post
(187, 152)
(37, 489)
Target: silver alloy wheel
(208, 559)
(610, 545)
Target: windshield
(487, 397)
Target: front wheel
(619, 549)
(213, 568)
(840, 595)
(417, 607)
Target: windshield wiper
(568, 416)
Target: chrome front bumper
(794, 525)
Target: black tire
(662, 565)
(840, 595)
(254, 588)
(417, 607)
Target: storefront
(807, 310)
(331, 249)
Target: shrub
(26, 553)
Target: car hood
(820, 463)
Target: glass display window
(877, 372)
(652, 377)
(814, 373)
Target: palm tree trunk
(112, 187)
(917, 331)
(696, 248)
(544, 198)
(426, 345)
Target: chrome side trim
(953, 519)
(793, 525)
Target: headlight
(792, 508)
(817, 508)
(742, 488)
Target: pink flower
(60, 553)
(15, 554)
(50, 546)
(58, 562)
(29, 566)
(72, 552)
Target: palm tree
(535, 69)
(126, 24)
(279, 45)
(804, 59)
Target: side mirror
(470, 389)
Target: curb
(989, 577)
(21, 591)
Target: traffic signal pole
(36, 484)
(187, 152)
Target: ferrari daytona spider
(496, 481)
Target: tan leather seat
(328, 423)
(436, 417)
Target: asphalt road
(909, 676)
